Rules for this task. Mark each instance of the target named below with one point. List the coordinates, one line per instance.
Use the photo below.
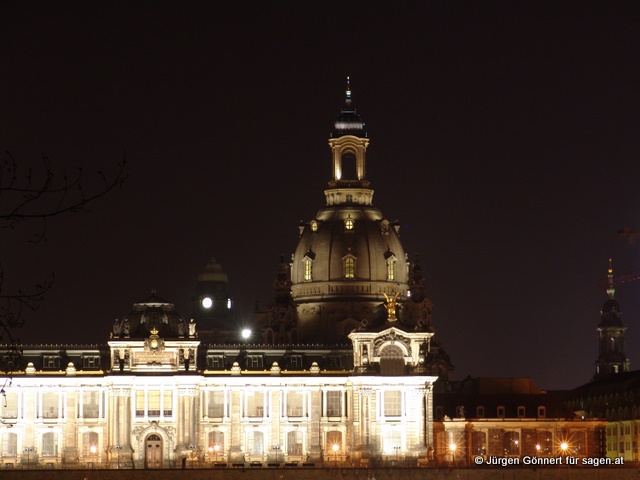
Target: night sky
(504, 138)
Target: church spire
(611, 332)
(610, 288)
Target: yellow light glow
(335, 447)
(453, 447)
(564, 446)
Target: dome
(349, 123)
(346, 259)
(152, 313)
(213, 273)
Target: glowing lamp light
(335, 447)
(207, 302)
(94, 449)
(564, 446)
(246, 333)
(453, 447)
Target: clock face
(207, 302)
(154, 343)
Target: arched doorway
(153, 451)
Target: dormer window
(348, 224)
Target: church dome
(151, 314)
(349, 258)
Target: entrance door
(153, 451)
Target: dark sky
(504, 138)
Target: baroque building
(342, 369)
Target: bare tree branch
(27, 196)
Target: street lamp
(93, 450)
(118, 447)
(28, 450)
(335, 447)
(276, 448)
(397, 449)
(452, 451)
(564, 446)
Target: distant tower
(611, 356)
(212, 307)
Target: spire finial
(348, 93)
(610, 288)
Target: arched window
(544, 445)
(511, 443)
(479, 443)
(391, 268)
(216, 442)
(307, 262)
(349, 267)
(50, 444)
(334, 437)
(294, 442)
(392, 361)
(255, 441)
(9, 444)
(89, 443)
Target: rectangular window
(216, 362)
(50, 362)
(392, 403)
(153, 403)
(215, 404)
(500, 412)
(9, 405)
(91, 361)
(90, 404)
(542, 412)
(480, 411)
(140, 403)
(295, 362)
(521, 412)
(254, 361)
(167, 406)
(50, 405)
(333, 361)
(254, 404)
(334, 403)
(294, 404)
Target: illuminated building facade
(340, 369)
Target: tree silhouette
(38, 195)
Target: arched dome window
(349, 264)
(308, 268)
